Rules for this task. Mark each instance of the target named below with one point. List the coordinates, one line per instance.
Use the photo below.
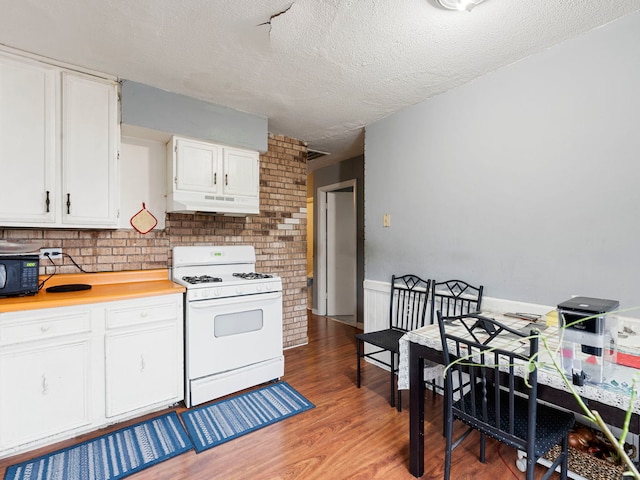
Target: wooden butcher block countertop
(105, 287)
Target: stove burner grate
(252, 276)
(201, 279)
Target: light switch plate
(386, 220)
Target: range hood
(195, 202)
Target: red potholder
(143, 221)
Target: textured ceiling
(320, 70)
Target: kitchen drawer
(33, 326)
(143, 312)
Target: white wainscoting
(376, 313)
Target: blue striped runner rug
(111, 456)
(211, 425)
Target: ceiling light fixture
(459, 4)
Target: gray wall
(526, 180)
(341, 172)
(150, 107)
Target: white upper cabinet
(241, 172)
(207, 177)
(27, 141)
(89, 151)
(197, 166)
(59, 137)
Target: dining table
(612, 398)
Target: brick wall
(278, 235)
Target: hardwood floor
(351, 433)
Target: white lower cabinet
(141, 369)
(69, 370)
(143, 360)
(46, 377)
(45, 390)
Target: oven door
(228, 333)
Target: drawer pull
(45, 385)
(144, 314)
(45, 328)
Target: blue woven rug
(225, 420)
(111, 456)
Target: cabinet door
(197, 167)
(27, 141)
(143, 368)
(89, 151)
(241, 172)
(44, 390)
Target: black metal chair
(451, 297)
(407, 311)
(454, 297)
(483, 390)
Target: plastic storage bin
(589, 338)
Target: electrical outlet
(386, 220)
(50, 253)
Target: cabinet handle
(142, 363)
(45, 385)
(68, 203)
(215, 178)
(47, 201)
(226, 179)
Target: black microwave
(19, 275)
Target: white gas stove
(233, 321)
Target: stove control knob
(239, 290)
(268, 287)
(216, 292)
(259, 287)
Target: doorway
(337, 252)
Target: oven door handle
(260, 297)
